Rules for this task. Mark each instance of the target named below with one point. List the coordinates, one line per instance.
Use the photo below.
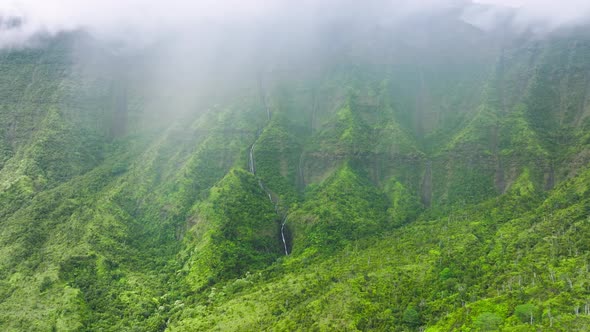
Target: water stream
(252, 169)
(283, 234)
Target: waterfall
(251, 161)
(283, 234)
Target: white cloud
(145, 20)
(123, 19)
(549, 13)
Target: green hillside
(444, 188)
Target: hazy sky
(145, 20)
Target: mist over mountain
(140, 23)
(281, 166)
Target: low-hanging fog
(139, 22)
(176, 49)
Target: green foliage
(346, 134)
(487, 321)
(276, 155)
(457, 272)
(235, 231)
(403, 206)
(344, 207)
(527, 313)
(411, 317)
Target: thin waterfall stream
(252, 169)
(283, 234)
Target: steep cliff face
(477, 126)
(392, 175)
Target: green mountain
(392, 182)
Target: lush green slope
(489, 266)
(417, 193)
